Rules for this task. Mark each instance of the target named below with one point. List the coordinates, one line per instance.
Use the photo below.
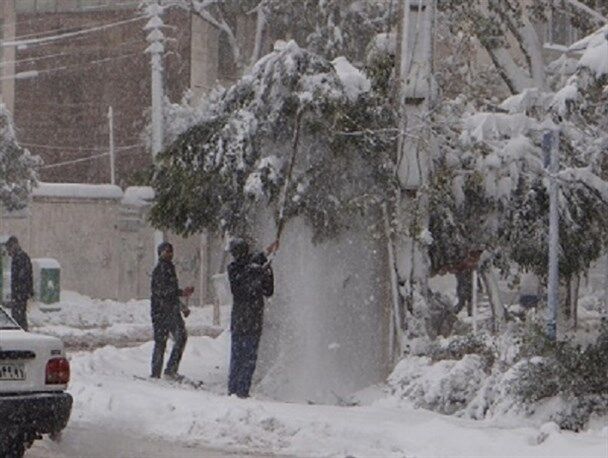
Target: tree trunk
(498, 311)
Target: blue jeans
(243, 357)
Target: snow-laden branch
(201, 9)
(590, 11)
(259, 33)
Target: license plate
(12, 371)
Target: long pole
(551, 143)
(112, 152)
(156, 49)
(474, 300)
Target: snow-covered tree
(218, 173)
(17, 167)
(491, 182)
(508, 30)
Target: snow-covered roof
(78, 191)
(138, 196)
(45, 263)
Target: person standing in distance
(251, 279)
(22, 284)
(166, 311)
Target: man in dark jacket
(22, 285)
(251, 278)
(166, 310)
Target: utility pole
(156, 50)
(112, 152)
(551, 149)
(417, 88)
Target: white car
(34, 374)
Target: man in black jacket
(22, 284)
(251, 278)
(166, 310)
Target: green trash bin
(47, 280)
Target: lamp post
(550, 147)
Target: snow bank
(78, 190)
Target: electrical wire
(51, 38)
(82, 159)
(75, 52)
(27, 74)
(78, 148)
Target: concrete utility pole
(417, 88)
(156, 50)
(111, 144)
(551, 149)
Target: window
(6, 322)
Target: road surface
(88, 441)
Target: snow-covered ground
(111, 389)
(108, 391)
(82, 322)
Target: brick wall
(61, 114)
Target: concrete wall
(104, 246)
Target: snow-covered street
(111, 390)
(90, 441)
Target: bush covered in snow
(577, 374)
(520, 372)
(445, 386)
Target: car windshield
(5, 321)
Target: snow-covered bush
(578, 375)
(457, 347)
(445, 386)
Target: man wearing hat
(166, 310)
(22, 284)
(251, 279)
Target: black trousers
(165, 324)
(18, 312)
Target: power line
(79, 148)
(75, 161)
(45, 40)
(44, 16)
(74, 52)
(82, 159)
(35, 73)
